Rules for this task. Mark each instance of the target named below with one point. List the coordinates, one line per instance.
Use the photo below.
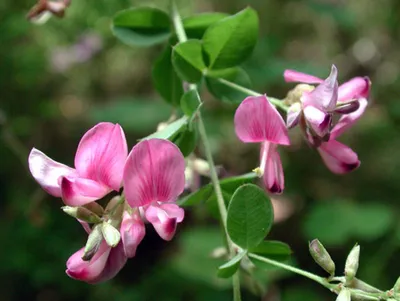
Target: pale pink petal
(79, 192)
(339, 158)
(293, 116)
(85, 226)
(132, 232)
(88, 270)
(101, 155)
(346, 121)
(48, 172)
(164, 219)
(257, 120)
(154, 172)
(295, 76)
(325, 95)
(319, 121)
(273, 174)
(355, 88)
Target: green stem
(276, 102)
(182, 37)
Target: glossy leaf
(196, 25)
(171, 130)
(186, 140)
(273, 249)
(165, 79)
(142, 26)
(190, 102)
(224, 92)
(207, 191)
(231, 41)
(250, 216)
(229, 268)
(187, 59)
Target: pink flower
(154, 177)
(257, 121)
(99, 163)
(132, 232)
(104, 265)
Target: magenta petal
(339, 158)
(325, 95)
(101, 155)
(346, 121)
(295, 76)
(47, 172)
(355, 88)
(154, 172)
(273, 173)
(164, 219)
(132, 232)
(257, 120)
(319, 121)
(78, 192)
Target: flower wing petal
(300, 77)
(79, 192)
(339, 158)
(355, 88)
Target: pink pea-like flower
(258, 121)
(99, 162)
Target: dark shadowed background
(57, 80)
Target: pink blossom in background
(258, 121)
(99, 163)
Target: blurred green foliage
(58, 79)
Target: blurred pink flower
(258, 121)
(99, 162)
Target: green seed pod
(321, 256)
(351, 266)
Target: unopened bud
(396, 287)
(114, 210)
(351, 266)
(344, 295)
(321, 256)
(110, 234)
(201, 166)
(220, 252)
(95, 208)
(93, 243)
(82, 213)
(293, 115)
(295, 95)
(347, 107)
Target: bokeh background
(59, 79)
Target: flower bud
(321, 256)
(295, 95)
(351, 266)
(396, 287)
(93, 243)
(82, 213)
(293, 115)
(95, 208)
(132, 232)
(344, 295)
(110, 234)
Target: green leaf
(133, 114)
(224, 92)
(187, 58)
(231, 41)
(250, 216)
(207, 191)
(196, 25)
(190, 102)
(186, 141)
(273, 249)
(165, 79)
(171, 130)
(142, 26)
(229, 268)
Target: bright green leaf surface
(142, 26)
(231, 41)
(229, 268)
(196, 25)
(186, 140)
(190, 101)
(276, 250)
(170, 131)
(250, 216)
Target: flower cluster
(152, 175)
(314, 108)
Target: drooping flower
(154, 177)
(258, 121)
(99, 162)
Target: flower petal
(273, 174)
(295, 76)
(154, 171)
(132, 232)
(101, 155)
(325, 95)
(293, 115)
(257, 120)
(79, 192)
(47, 172)
(339, 158)
(164, 218)
(346, 121)
(355, 88)
(319, 121)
